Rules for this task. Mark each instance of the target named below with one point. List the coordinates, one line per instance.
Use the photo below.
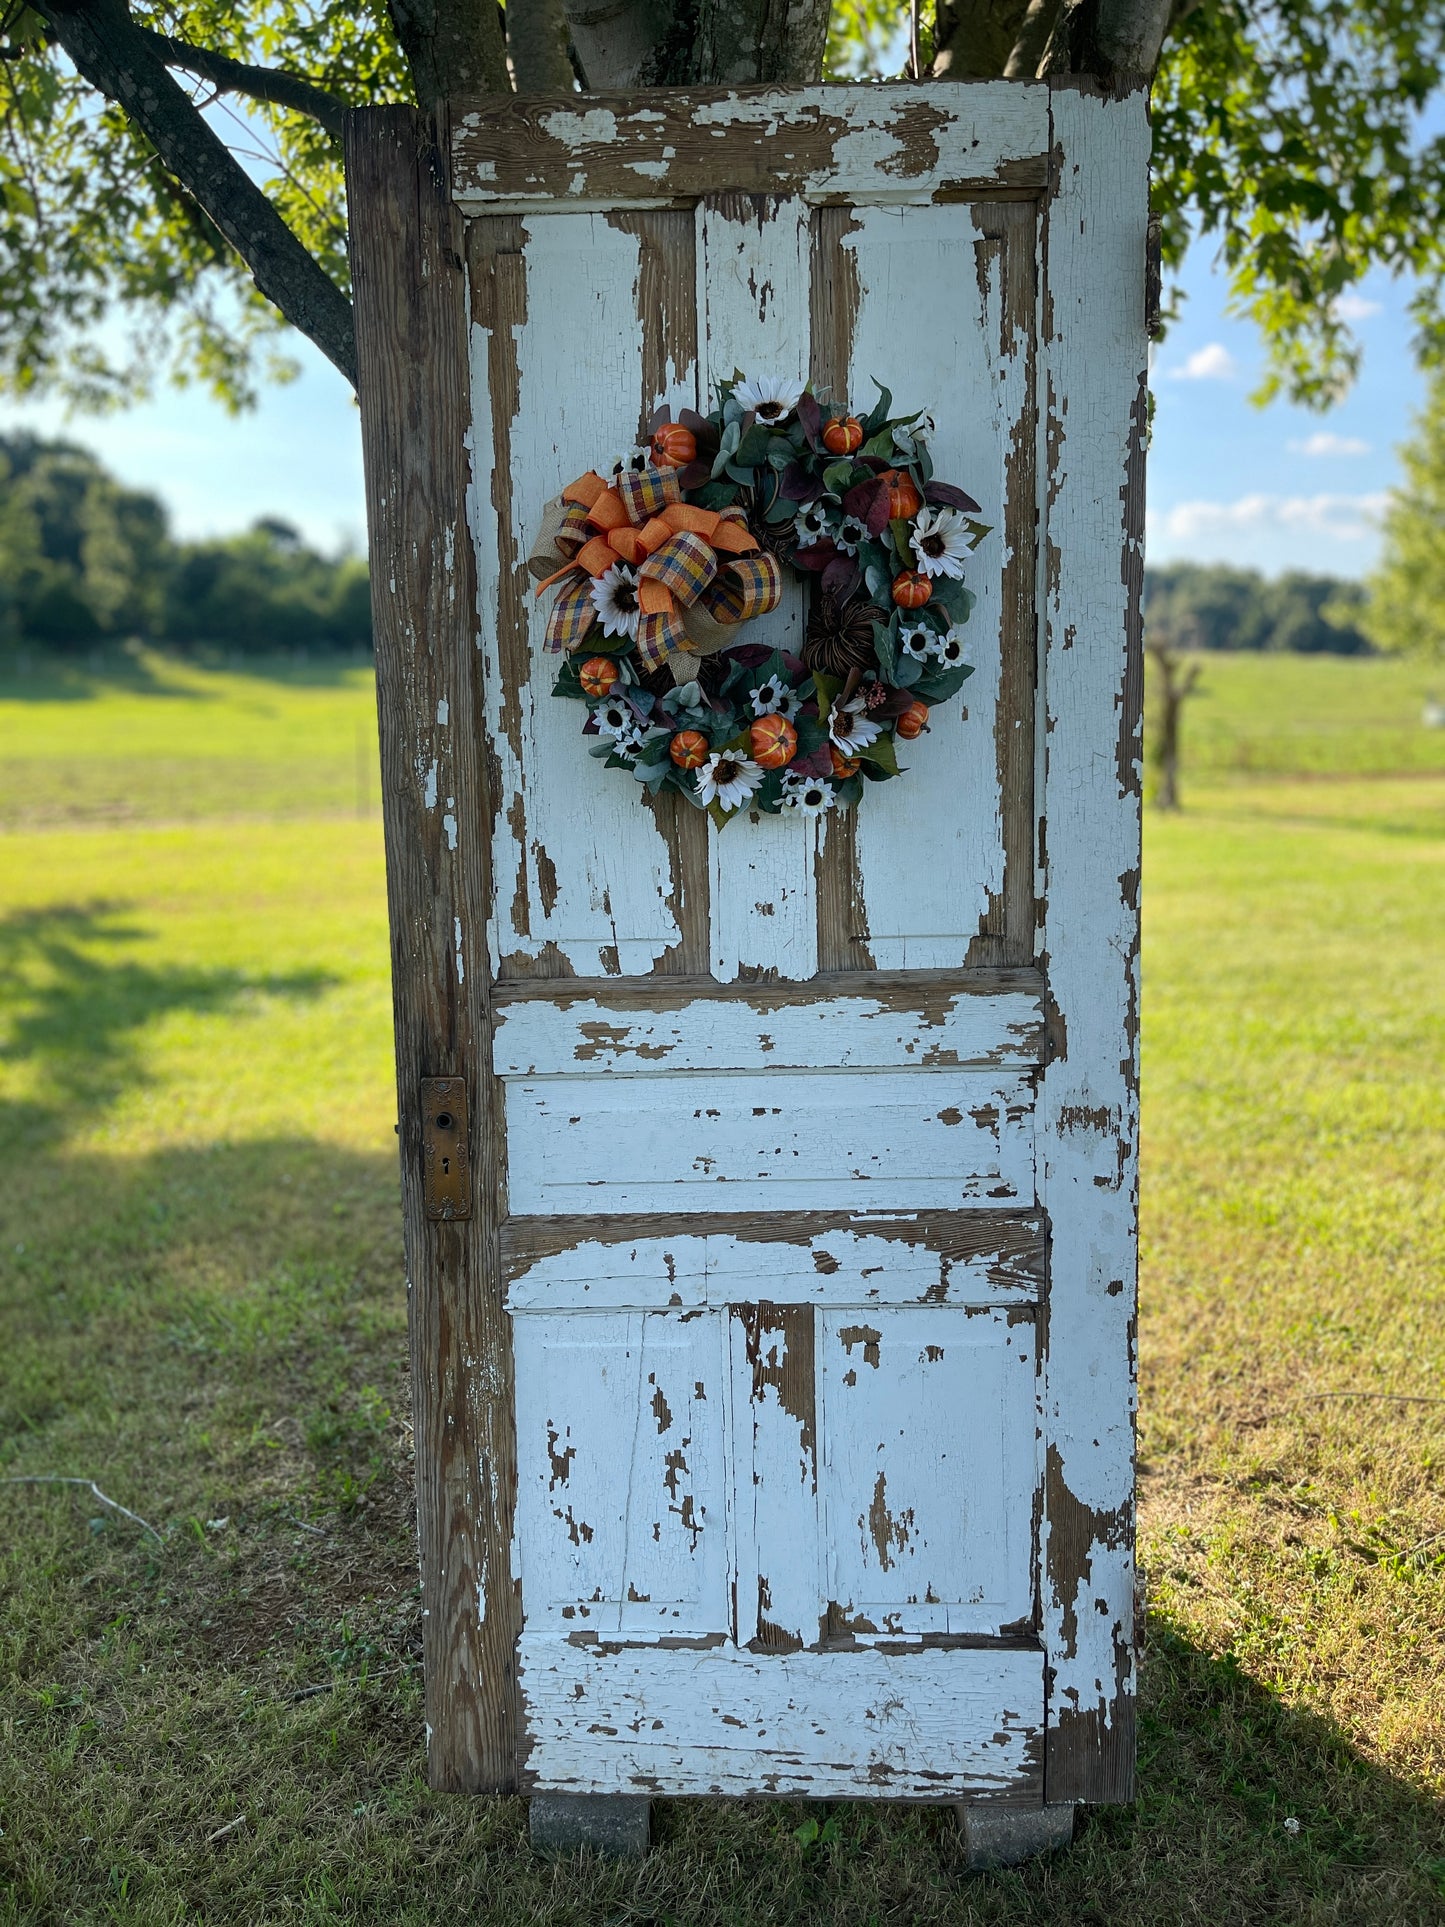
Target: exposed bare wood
(930, 992)
(412, 329)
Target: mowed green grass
(201, 1307)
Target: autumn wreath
(664, 561)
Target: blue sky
(1271, 488)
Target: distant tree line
(1190, 606)
(84, 560)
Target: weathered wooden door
(774, 1370)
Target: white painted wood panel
(943, 1029)
(902, 143)
(963, 362)
(914, 1726)
(830, 1141)
(1096, 354)
(775, 1490)
(846, 1265)
(929, 1456)
(753, 317)
(622, 1516)
(578, 862)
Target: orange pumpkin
(843, 766)
(913, 721)
(673, 446)
(598, 675)
(841, 437)
(689, 749)
(904, 501)
(911, 589)
(774, 741)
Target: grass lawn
(201, 1308)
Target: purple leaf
(810, 416)
(817, 556)
(817, 762)
(841, 576)
(693, 475)
(944, 495)
(797, 485)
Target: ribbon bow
(699, 571)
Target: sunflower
(850, 534)
(808, 795)
(615, 718)
(614, 597)
(810, 524)
(948, 649)
(728, 779)
(917, 640)
(840, 635)
(775, 698)
(769, 397)
(940, 541)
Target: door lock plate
(446, 1180)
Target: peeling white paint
(429, 786)
(457, 939)
(443, 711)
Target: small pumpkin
(913, 721)
(904, 501)
(843, 436)
(774, 742)
(598, 676)
(843, 766)
(689, 749)
(673, 446)
(911, 589)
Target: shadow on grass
(45, 676)
(218, 1334)
(77, 1002)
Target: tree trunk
(1176, 683)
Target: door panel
(929, 1420)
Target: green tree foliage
(1406, 610)
(83, 560)
(1193, 606)
(1291, 129)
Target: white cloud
(1343, 518)
(1323, 443)
(1356, 307)
(1211, 363)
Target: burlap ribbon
(699, 572)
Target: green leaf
(838, 477)
(752, 450)
(879, 414)
(881, 754)
(947, 682)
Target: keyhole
(446, 1166)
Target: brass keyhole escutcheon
(446, 1158)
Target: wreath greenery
(667, 560)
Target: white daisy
(808, 795)
(729, 778)
(769, 397)
(775, 698)
(614, 597)
(948, 648)
(627, 742)
(849, 533)
(635, 461)
(940, 541)
(810, 523)
(916, 640)
(849, 729)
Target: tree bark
(117, 59)
(537, 45)
(451, 47)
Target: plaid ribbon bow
(699, 571)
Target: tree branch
(451, 47)
(269, 84)
(116, 58)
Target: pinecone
(840, 635)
